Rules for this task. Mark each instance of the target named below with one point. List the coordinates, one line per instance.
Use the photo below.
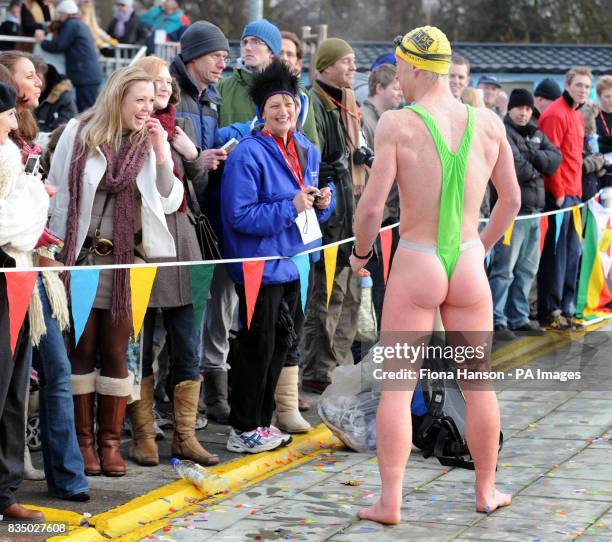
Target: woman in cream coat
(113, 172)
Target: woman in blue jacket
(270, 206)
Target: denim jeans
(513, 268)
(63, 462)
(558, 273)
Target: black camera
(363, 156)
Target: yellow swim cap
(426, 48)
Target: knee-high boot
(113, 395)
(83, 394)
(184, 443)
(288, 417)
(144, 448)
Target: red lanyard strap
(603, 120)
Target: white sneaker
(273, 430)
(253, 442)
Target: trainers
(502, 333)
(252, 442)
(273, 430)
(201, 422)
(530, 328)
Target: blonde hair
(103, 123)
(604, 83)
(472, 97)
(577, 70)
(153, 65)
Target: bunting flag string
(330, 256)
(253, 273)
(302, 262)
(201, 278)
(141, 284)
(386, 239)
(19, 290)
(83, 288)
(508, 235)
(543, 230)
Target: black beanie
(8, 97)
(520, 96)
(548, 89)
(202, 38)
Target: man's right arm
(504, 180)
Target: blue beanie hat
(266, 32)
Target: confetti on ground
(352, 483)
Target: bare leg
(468, 308)
(408, 308)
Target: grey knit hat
(202, 38)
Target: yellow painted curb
(150, 512)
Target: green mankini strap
(454, 167)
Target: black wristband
(366, 257)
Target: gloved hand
(47, 238)
(327, 172)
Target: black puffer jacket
(56, 103)
(534, 156)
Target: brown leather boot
(185, 445)
(144, 448)
(84, 422)
(111, 413)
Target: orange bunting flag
(386, 238)
(330, 256)
(141, 284)
(19, 290)
(253, 272)
(543, 230)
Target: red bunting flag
(253, 271)
(19, 290)
(543, 230)
(386, 237)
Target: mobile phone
(33, 164)
(230, 145)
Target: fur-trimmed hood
(58, 90)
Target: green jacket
(238, 107)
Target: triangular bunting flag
(558, 226)
(201, 277)
(19, 290)
(577, 216)
(330, 256)
(508, 235)
(83, 288)
(302, 262)
(543, 230)
(141, 284)
(253, 271)
(386, 238)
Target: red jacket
(564, 126)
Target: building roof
(500, 57)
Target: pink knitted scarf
(121, 171)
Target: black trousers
(262, 352)
(14, 380)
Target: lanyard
(343, 107)
(290, 160)
(603, 120)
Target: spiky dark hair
(276, 78)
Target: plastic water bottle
(205, 480)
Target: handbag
(207, 239)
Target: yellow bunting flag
(508, 235)
(141, 283)
(330, 254)
(577, 220)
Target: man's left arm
(370, 209)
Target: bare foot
(488, 504)
(381, 514)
